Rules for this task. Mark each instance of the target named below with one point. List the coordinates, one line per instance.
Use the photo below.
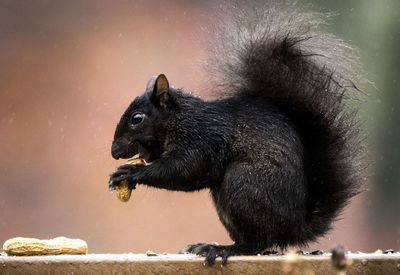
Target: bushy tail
(278, 52)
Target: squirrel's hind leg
(212, 251)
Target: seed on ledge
(317, 252)
(151, 253)
(272, 252)
(301, 252)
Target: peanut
(122, 191)
(30, 246)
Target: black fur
(279, 151)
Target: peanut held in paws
(123, 192)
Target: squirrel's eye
(137, 118)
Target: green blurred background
(68, 69)
(374, 27)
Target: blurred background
(68, 69)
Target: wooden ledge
(189, 264)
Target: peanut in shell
(31, 246)
(122, 191)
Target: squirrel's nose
(116, 150)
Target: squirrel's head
(141, 129)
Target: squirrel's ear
(158, 87)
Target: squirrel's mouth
(147, 154)
(135, 157)
(143, 153)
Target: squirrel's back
(277, 55)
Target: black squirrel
(279, 150)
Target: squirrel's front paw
(124, 172)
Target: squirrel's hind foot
(211, 252)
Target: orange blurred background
(68, 69)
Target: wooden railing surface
(187, 264)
